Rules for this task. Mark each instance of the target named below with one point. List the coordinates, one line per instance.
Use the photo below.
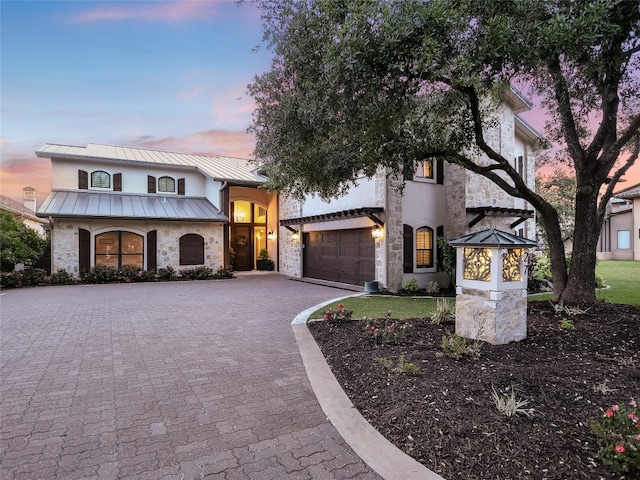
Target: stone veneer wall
(65, 240)
(290, 251)
(389, 251)
(494, 317)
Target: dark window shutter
(152, 256)
(84, 249)
(83, 180)
(151, 184)
(439, 253)
(191, 249)
(408, 171)
(117, 182)
(407, 248)
(181, 186)
(440, 171)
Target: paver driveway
(178, 380)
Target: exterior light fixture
(376, 232)
(271, 235)
(295, 235)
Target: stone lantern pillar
(491, 286)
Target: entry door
(241, 243)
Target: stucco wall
(65, 240)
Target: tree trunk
(581, 283)
(556, 249)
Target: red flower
(609, 413)
(620, 448)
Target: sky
(163, 74)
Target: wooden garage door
(346, 256)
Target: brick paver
(179, 380)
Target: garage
(345, 256)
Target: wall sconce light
(376, 232)
(295, 235)
(271, 235)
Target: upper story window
(166, 184)
(100, 179)
(425, 169)
(430, 170)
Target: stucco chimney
(29, 198)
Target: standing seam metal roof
(216, 167)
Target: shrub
(196, 273)
(387, 331)
(618, 433)
(457, 347)
(99, 274)
(223, 273)
(338, 316)
(509, 405)
(167, 274)
(445, 312)
(433, 288)
(10, 280)
(411, 286)
(33, 276)
(62, 277)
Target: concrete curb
(382, 456)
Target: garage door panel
(346, 256)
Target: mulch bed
(445, 416)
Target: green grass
(623, 278)
(375, 306)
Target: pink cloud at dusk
(210, 142)
(166, 12)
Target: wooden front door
(241, 244)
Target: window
(624, 239)
(166, 184)
(100, 179)
(425, 169)
(424, 247)
(191, 249)
(519, 164)
(119, 249)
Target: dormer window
(166, 184)
(100, 179)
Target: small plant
(509, 405)
(445, 312)
(223, 273)
(408, 368)
(457, 347)
(566, 324)
(433, 288)
(263, 254)
(386, 331)
(385, 362)
(338, 316)
(411, 286)
(196, 273)
(167, 274)
(569, 310)
(618, 433)
(603, 388)
(62, 277)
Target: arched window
(191, 249)
(424, 247)
(100, 179)
(119, 249)
(166, 184)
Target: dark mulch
(445, 416)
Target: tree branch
(618, 174)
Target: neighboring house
(117, 206)
(380, 232)
(25, 212)
(620, 233)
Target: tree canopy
(355, 85)
(18, 243)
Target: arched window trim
(425, 252)
(164, 186)
(120, 251)
(100, 179)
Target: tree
(559, 189)
(18, 243)
(355, 85)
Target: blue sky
(161, 74)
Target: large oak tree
(355, 85)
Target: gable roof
(230, 169)
(629, 193)
(73, 203)
(10, 205)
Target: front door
(241, 244)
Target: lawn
(622, 278)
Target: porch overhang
(369, 212)
(482, 212)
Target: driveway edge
(382, 456)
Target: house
(380, 232)
(118, 206)
(620, 232)
(25, 212)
